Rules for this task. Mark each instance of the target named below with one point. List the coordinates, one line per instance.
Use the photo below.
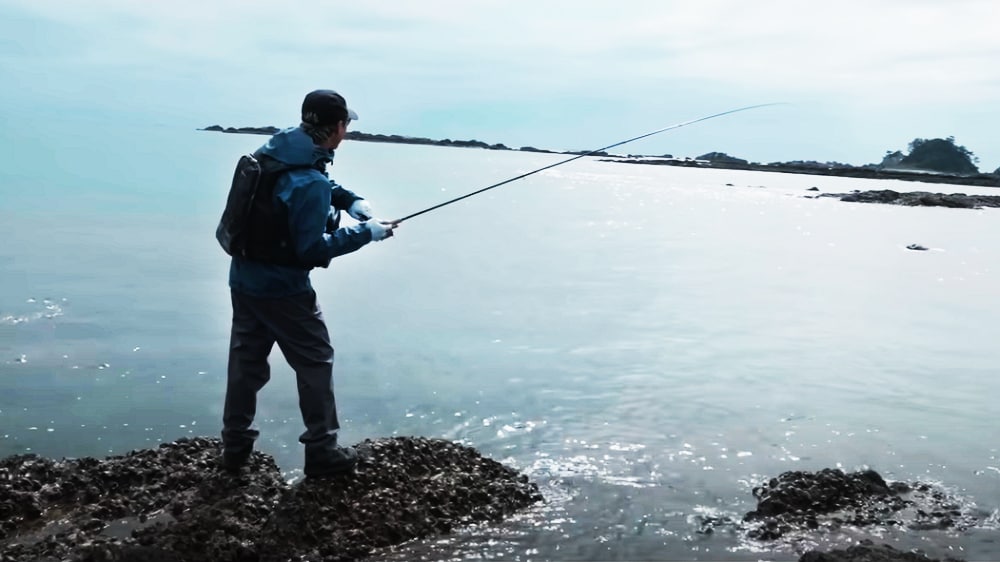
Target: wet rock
(708, 524)
(173, 503)
(802, 501)
(867, 551)
(919, 199)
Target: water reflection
(664, 353)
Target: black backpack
(251, 226)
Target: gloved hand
(380, 229)
(361, 210)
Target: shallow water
(648, 343)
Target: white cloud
(441, 56)
(849, 47)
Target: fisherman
(273, 299)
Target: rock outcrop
(826, 169)
(800, 501)
(174, 504)
(242, 130)
(868, 551)
(919, 199)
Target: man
(273, 299)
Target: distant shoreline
(808, 168)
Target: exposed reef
(919, 199)
(833, 169)
(174, 504)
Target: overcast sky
(860, 76)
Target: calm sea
(647, 343)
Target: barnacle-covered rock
(174, 504)
(830, 498)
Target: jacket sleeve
(341, 199)
(308, 213)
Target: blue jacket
(312, 203)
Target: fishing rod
(560, 163)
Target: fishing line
(560, 163)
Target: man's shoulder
(305, 176)
(302, 183)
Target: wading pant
(296, 324)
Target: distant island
(929, 160)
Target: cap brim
(352, 115)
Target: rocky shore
(714, 160)
(174, 504)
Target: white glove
(361, 210)
(380, 229)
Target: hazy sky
(860, 76)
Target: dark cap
(326, 107)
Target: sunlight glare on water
(647, 343)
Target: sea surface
(647, 343)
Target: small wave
(44, 309)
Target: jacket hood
(293, 146)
